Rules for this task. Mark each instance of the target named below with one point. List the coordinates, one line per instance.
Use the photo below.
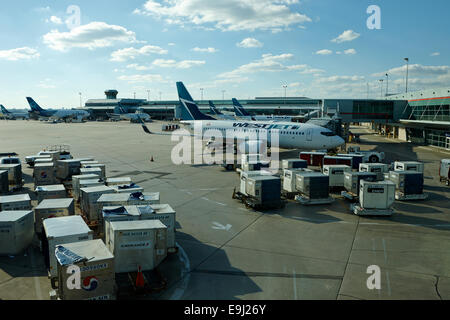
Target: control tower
(111, 94)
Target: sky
(55, 50)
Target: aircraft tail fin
(214, 109)
(189, 109)
(239, 109)
(3, 109)
(33, 105)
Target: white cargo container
(97, 171)
(76, 185)
(128, 199)
(118, 181)
(289, 179)
(379, 168)
(336, 174)
(16, 231)
(14, 173)
(43, 160)
(67, 168)
(52, 208)
(138, 243)
(4, 183)
(15, 202)
(88, 163)
(89, 197)
(294, 164)
(376, 195)
(44, 174)
(96, 264)
(127, 188)
(59, 231)
(248, 174)
(55, 191)
(55, 155)
(444, 171)
(409, 166)
(88, 183)
(94, 166)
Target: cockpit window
(328, 134)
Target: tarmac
(230, 252)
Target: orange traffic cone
(139, 278)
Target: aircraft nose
(338, 141)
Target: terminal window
(373, 110)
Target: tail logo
(90, 283)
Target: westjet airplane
(243, 114)
(290, 135)
(13, 115)
(120, 114)
(218, 114)
(56, 114)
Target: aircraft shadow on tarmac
(220, 281)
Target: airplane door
(309, 135)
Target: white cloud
(268, 63)
(324, 52)
(185, 64)
(91, 36)
(143, 78)
(350, 51)
(208, 50)
(339, 79)
(250, 43)
(133, 53)
(230, 15)
(46, 84)
(348, 35)
(171, 44)
(24, 53)
(55, 20)
(417, 70)
(435, 54)
(138, 67)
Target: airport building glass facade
(374, 109)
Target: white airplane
(13, 115)
(240, 112)
(120, 114)
(290, 135)
(56, 114)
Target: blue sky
(318, 48)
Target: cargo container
(89, 197)
(137, 244)
(55, 191)
(313, 158)
(59, 231)
(118, 181)
(4, 183)
(254, 166)
(379, 168)
(127, 188)
(14, 173)
(97, 171)
(375, 199)
(409, 166)
(76, 185)
(252, 157)
(30, 160)
(55, 155)
(290, 179)
(444, 171)
(336, 174)
(93, 166)
(313, 185)
(244, 175)
(352, 181)
(65, 169)
(43, 161)
(161, 212)
(294, 164)
(52, 208)
(44, 174)
(264, 191)
(356, 159)
(88, 183)
(334, 160)
(88, 163)
(16, 231)
(96, 265)
(15, 202)
(408, 185)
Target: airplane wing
(146, 130)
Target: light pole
(148, 95)
(381, 87)
(387, 84)
(160, 96)
(367, 91)
(407, 71)
(201, 90)
(285, 87)
(80, 98)
(135, 95)
(223, 95)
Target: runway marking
(219, 226)
(387, 272)
(219, 203)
